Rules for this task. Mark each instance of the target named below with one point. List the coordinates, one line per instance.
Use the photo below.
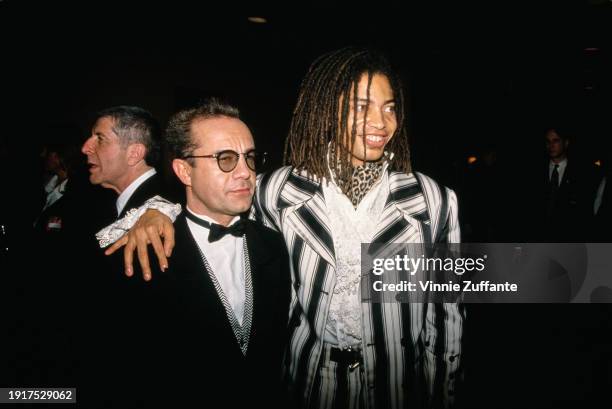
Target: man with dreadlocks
(349, 181)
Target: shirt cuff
(115, 231)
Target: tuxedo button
(426, 343)
(452, 358)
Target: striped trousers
(336, 386)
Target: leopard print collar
(361, 181)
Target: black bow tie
(217, 231)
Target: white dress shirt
(561, 170)
(226, 259)
(129, 191)
(54, 191)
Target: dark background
(476, 75)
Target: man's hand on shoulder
(151, 228)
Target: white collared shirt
(129, 191)
(561, 170)
(54, 192)
(226, 259)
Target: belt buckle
(355, 357)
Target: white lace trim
(113, 232)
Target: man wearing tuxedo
(223, 306)
(349, 181)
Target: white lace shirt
(350, 227)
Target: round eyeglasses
(228, 160)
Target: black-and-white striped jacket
(400, 340)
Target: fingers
(149, 229)
(168, 233)
(158, 248)
(128, 257)
(117, 245)
(141, 237)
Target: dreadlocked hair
(320, 117)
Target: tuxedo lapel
(195, 290)
(259, 256)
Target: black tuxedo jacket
(196, 354)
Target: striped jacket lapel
(405, 218)
(302, 201)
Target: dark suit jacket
(196, 357)
(149, 188)
(110, 313)
(568, 212)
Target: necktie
(217, 231)
(554, 180)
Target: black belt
(350, 357)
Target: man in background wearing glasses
(219, 333)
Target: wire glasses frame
(228, 160)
